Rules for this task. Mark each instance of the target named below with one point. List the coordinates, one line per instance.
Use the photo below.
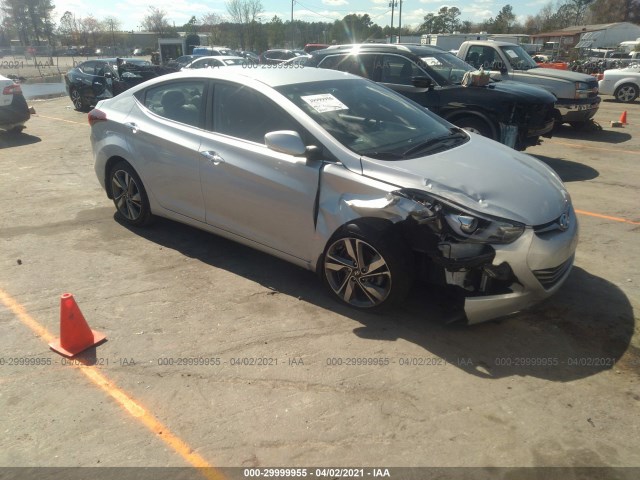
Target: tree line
(30, 22)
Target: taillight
(12, 89)
(96, 116)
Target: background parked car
(211, 62)
(622, 83)
(312, 47)
(214, 51)
(14, 111)
(514, 114)
(94, 80)
(279, 55)
(182, 61)
(250, 56)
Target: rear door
(165, 137)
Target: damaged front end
(525, 125)
(457, 247)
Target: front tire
(365, 269)
(626, 93)
(129, 195)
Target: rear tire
(129, 195)
(78, 102)
(626, 93)
(365, 268)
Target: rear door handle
(213, 157)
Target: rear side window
(88, 67)
(178, 101)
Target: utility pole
(392, 4)
(400, 22)
(292, 30)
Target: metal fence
(33, 63)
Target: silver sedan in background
(342, 176)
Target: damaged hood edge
(483, 176)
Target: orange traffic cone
(75, 334)
(623, 118)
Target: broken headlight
(465, 226)
(482, 229)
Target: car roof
(413, 48)
(218, 57)
(273, 77)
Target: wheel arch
(474, 114)
(113, 160)
(366, 226)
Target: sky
(180, 11)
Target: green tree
(353, 28)
(68, 29)
(504, 20)
(445, 21)
(28, 20)
(276, 32)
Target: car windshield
(519, 58)
(445, 67)
(372, 120)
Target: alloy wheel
(126, 195)
(627, 93)
(357, 273)
(76, 99)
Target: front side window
(178, 101)
(445, 67)
(369, 119)
(398, 70)
(246, 114)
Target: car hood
(484, 176)
(523, 91)
(623, 72)
(562, 74)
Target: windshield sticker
(511, 53)
(324, 102)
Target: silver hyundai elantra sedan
(342, 176)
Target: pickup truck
(577, 93)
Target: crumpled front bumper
(540, 262)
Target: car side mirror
(501, 67)
(285, 141)
(421, 82)
(108, 75)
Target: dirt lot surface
(218, 355)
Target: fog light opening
(498, 272)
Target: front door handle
(132, 126)
(213, 157)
